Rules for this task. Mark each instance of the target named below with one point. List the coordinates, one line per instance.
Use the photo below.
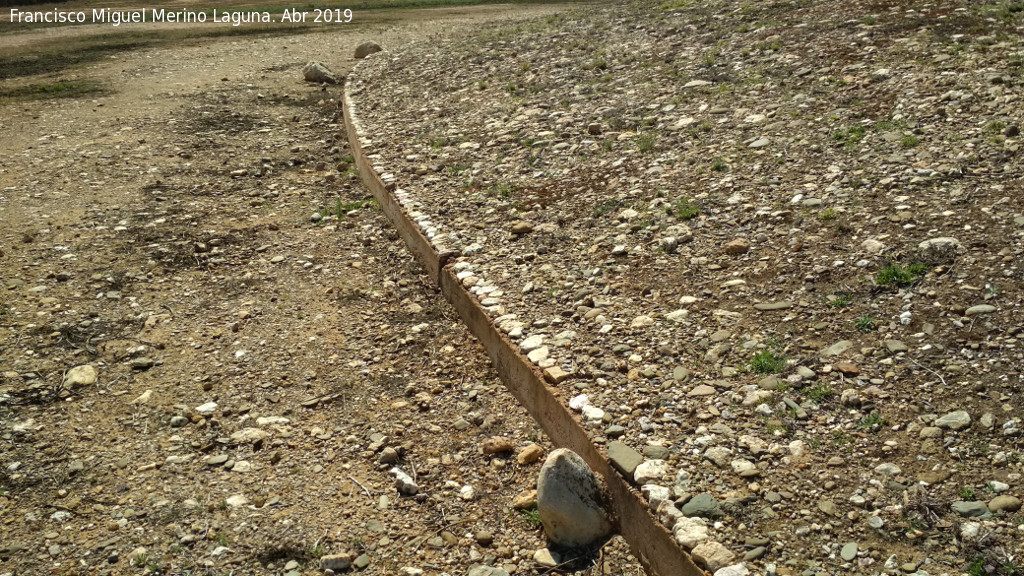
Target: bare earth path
(258, 370)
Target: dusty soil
(775, 245)
(258, 369)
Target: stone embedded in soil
(365, 49)
(772, 306)
(690, 531)
(336, 562)
(895, 346)
(84, 375)
(957, 420)
(837, 349)
(624, 458)
(734, 570)
(529, 454)
(496, 445)
(704, 506)
(849, 551)
(650, 471)
(1004, 503)
(519, 228)
(736, 247)
(570, 501)
(318, 72)
(712, 555)
(555, 375)
(545, 558)
(980, 309)
(486, 571)
(404, 483)
(971, 509)
(525, 500)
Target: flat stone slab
(624, 458)
(772, 306)
(837, 348)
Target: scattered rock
(404, 483)
(530, 454)
(367, 48)
(690, 531)
(704, 506)
(497, 445)
(84, 375)
(712, 555)
(570, 501)
(957, 420)
(737, 247)
(624, 458)
(971, 509)
(319, 73)
(1004, 503)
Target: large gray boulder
(571, 502)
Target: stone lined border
(652, 543)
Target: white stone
(690, 532)
(579, 402)
(271, 420)
(650, 471)
(593, 414)
(532, 343)
(249, 435)
(404, 483)
(734, 570)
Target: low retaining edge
(651, 542)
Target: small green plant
(685, 210)
(718, 164)
(531, 517)
(502, 190)
(849, 136)
(768, 362)
(864, 323)
(995, 127)
(645, 142)
(966, 493)
(871, 421)
(841, 300)
(820, 392)
(606, 207)
(840, 439)
(976, 567)
(910, 141)
(828, 214)
(893, 274)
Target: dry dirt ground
(257, 373)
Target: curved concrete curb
(652, 543)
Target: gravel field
(774, 248)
